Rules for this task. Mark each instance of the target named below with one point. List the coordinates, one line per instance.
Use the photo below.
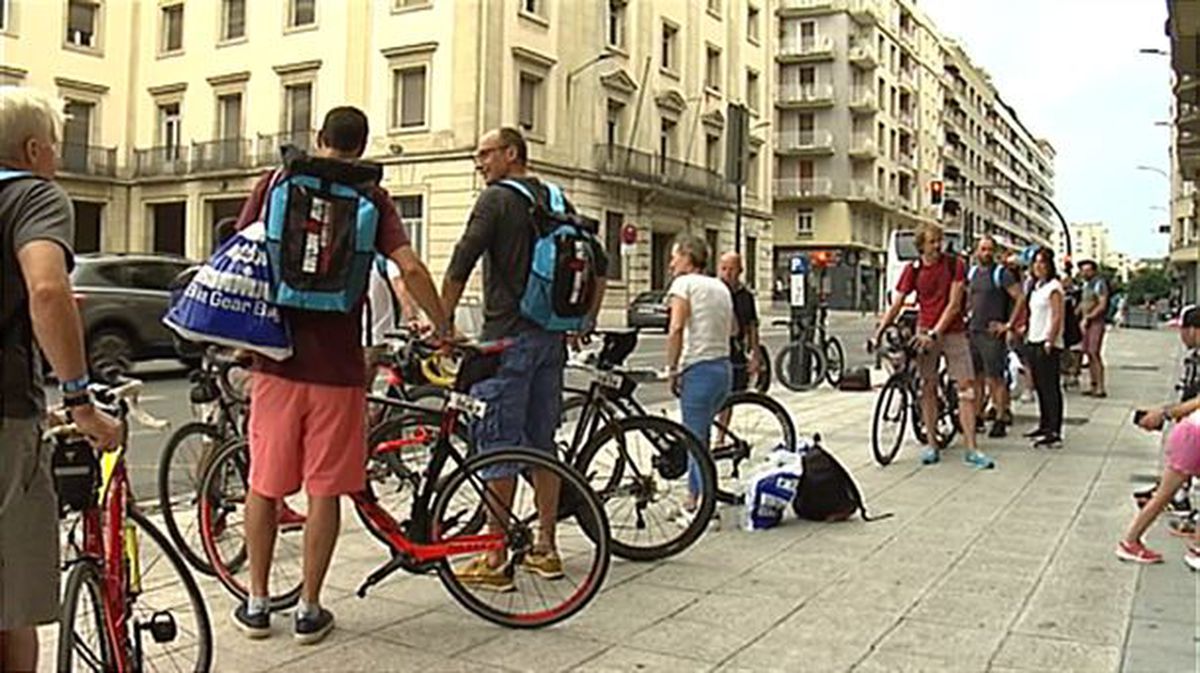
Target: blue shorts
(524, 398)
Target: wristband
(74, 386)
(76, 401)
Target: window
(297, 112)
(3, 15)
(712, 69)
(77, 132)
(530, 105)
(714, 7)
(666, 141)
(752, 99)
(752, 23)
(229, 116)
(534, 7)
(409, 109)
(751, 262)
(752, 171)
(170, 128)
(613, 222)
(172, 28)
(712, 152)
(669, 33)
(712, 238)
(402, 4)
(233, 19)
(612, 127)
(616, 23)
(805, 222)
(302, 13)
(82, 17)
(412, 215)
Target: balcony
(866, 12)
(803, 7)
(796, 49)
(862, 54)
(906, 160)
(269, 146)
(797, 95)
(809, 142)
(222, 155)
(167, 160)
(907, 119)
(908, 37)
(657, 170)
(865, 190)
(803, 188)
(862, 101)
(908, 79)
(81, 159)
(862, 146)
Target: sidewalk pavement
(1004, 570)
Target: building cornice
(231, 78)
(409, 50)
(299, 66)
(79, 85)
(534, 57)
(165, 89)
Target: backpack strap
(557, 202)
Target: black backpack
(826, 491)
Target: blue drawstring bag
(227, 301)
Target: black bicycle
(900, 399)
(826, 359)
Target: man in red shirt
(307, 413)
(939, 280)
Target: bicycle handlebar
(121, 401)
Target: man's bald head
(729, 268)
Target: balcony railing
(798, 188)
(802, 5)
(906, 119)
(269, 145)
(807, 139)
(88, 160)
(866, 11)
(864, 189)
(863, 99)
(863, 145)
(219, 155)
(908, 78)
(794, 92)
(160, 161)
(656, 169)
(805, 46)
(863, 54)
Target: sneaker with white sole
(1192, 558)
(1136, 552)
(930, 456)
(312, 629)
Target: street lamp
(1155, 169)
(587, 64)
(1153, 51)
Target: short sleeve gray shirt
(989, 302)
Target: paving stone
(1049, 620)
(367, 654)
(970, 649)
(442, 633)
(1046, 654)
(629, 659)
(1161, 647)
(694, 640)
(541, 650)
(899, 662)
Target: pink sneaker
(1137, 553)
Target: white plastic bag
(771, 488)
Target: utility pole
(736, 151)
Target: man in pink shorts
(307, 412)
(1181, 462)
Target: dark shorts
(741, 373)
(29, 558)
(990, 355)
(524, 398)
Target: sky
(1072, 70)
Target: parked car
(649, 310)
(122, 299)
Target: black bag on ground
(826, 491)
(856, 379)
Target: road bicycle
(899, 400)
(824, 354)
(451, 516)
(129, 604)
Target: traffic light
(937, 189)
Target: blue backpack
(562, 281)
(320, 227)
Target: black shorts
(990, 355)
(741, 374)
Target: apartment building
(624, 104)
(873, 104)
(1182, 28)
(1184, 244)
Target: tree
(1149, 284)
(1112, 277)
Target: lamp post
(584, 66)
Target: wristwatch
(75, 386)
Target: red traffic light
(937, 190)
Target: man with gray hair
(37, 308)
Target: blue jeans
(524, 398)
(703, 389)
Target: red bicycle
(461, 515)
(127, 606)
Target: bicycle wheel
(168, 620)
(639, 466)
(179, 469)
(82, 642)
(763, 383)
(222, 531)
(891, 414)
(947, 415)
(790, 353)
(835, 361)
(581, 533)
(747, 423)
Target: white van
(902, 249)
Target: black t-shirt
(500, 229)
(31, 209)
(746, 313)
(989, 302)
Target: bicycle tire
(587, 511)
(835, 361)
(232, 465)
(885, 451)
(203, 626)
(947, 415)
(783, 366)
(84, 575)
(192, 551)
(682, 448)
(763, 383)
(742, 446)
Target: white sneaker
(1192, 558)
